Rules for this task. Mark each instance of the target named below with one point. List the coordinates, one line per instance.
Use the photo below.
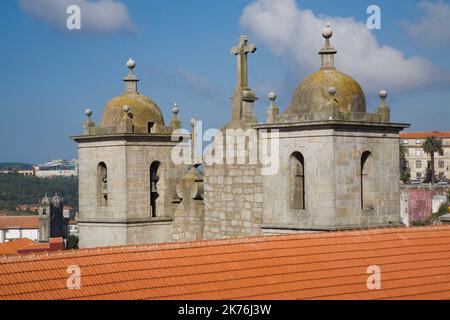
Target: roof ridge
(225, 241)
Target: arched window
(297, 181)
(102, 184)
(367, 178)
(154, 179)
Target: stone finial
(88, 124)
(272, 111)
(327, 52)
(332, 91)
(175, 124)
(126, 125)
(333, 105)
(383, 94)
(126, 109)
(383, 109)
(131, 81)
(131, 64)
(327, 32)
(175, 109)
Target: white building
(418, 161)
(56, 168)
(17, 227)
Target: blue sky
(182, 49)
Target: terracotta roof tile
(424, 135)
(19, 222)
(415, 264)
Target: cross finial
(241, 51)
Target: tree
(405, 174)
(72, 242)
(431, 146)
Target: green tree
(72, 242)
(431, 146)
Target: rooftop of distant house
(19, 222)
(414, 264)
(424, 135)
(26, 246)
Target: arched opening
(367, 178)
(154, 179)
(297, 181)
(102, 184)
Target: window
(406, 141)
(154, 195)
(151, 127)
(418, 153)
(419, 175)
(367, 179)
(441, 153)
(418, 141)
(297, 181)
(102, 184)
(418, 164)
(441, 164)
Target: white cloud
(100, 16)
(431, 28)
(295, 34)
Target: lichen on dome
(143, 111)
(310, 99)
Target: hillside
(16, 165)
(17, 189)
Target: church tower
(338, 163)
(127, 181)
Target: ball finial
(88, 112)
(193, 122)
(383, 94)
(126, 109)
(175, 109)
(327, 32)
(272, 96)
(131, 64)
(332, 91)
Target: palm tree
(431, 146)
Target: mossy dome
(144, 112)
(312, 96)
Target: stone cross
(241, 51)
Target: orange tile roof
(415, 264)
(19, 222)
(424, 135)
(11, 248)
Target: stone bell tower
(127, 181)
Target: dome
(311, 96)
(144, 113)
(143, 110)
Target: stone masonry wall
(233, 201)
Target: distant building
(52, 222)
(17, 227)
(56, 168)
(418, 161)
(73, 228)
(28, 172)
